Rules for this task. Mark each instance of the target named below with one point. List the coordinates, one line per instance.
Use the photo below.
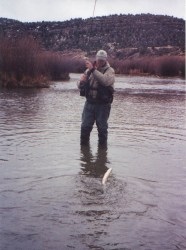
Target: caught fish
(106, 175)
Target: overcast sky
(60, 10)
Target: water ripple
(52, 195)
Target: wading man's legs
(88, 119)
(91, 113)
(102, 115)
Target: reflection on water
(95, 166)
(51, 194)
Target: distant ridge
(123, 36)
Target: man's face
(100, 63)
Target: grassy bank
(24, 64)
(163, 66)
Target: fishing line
(94, 8)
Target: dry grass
(24, 64)
(162, 66)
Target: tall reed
(24, 64)
(162, 66)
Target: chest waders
(96, 110)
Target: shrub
(168, 66)
(162, 66)
(24, 64)
(173, 66)
(19, 57)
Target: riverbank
(162, 66)
(10, 81)
(25, 64)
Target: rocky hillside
(123, 36)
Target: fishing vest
(104, 93)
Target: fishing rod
(94, 8)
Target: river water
(51, 195)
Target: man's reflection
(94, 166)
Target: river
(51, 194)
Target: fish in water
(106, 175)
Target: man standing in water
(97, 85)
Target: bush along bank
(24, 64)
(162, 66)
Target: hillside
(123, 36)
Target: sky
(60, 10)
